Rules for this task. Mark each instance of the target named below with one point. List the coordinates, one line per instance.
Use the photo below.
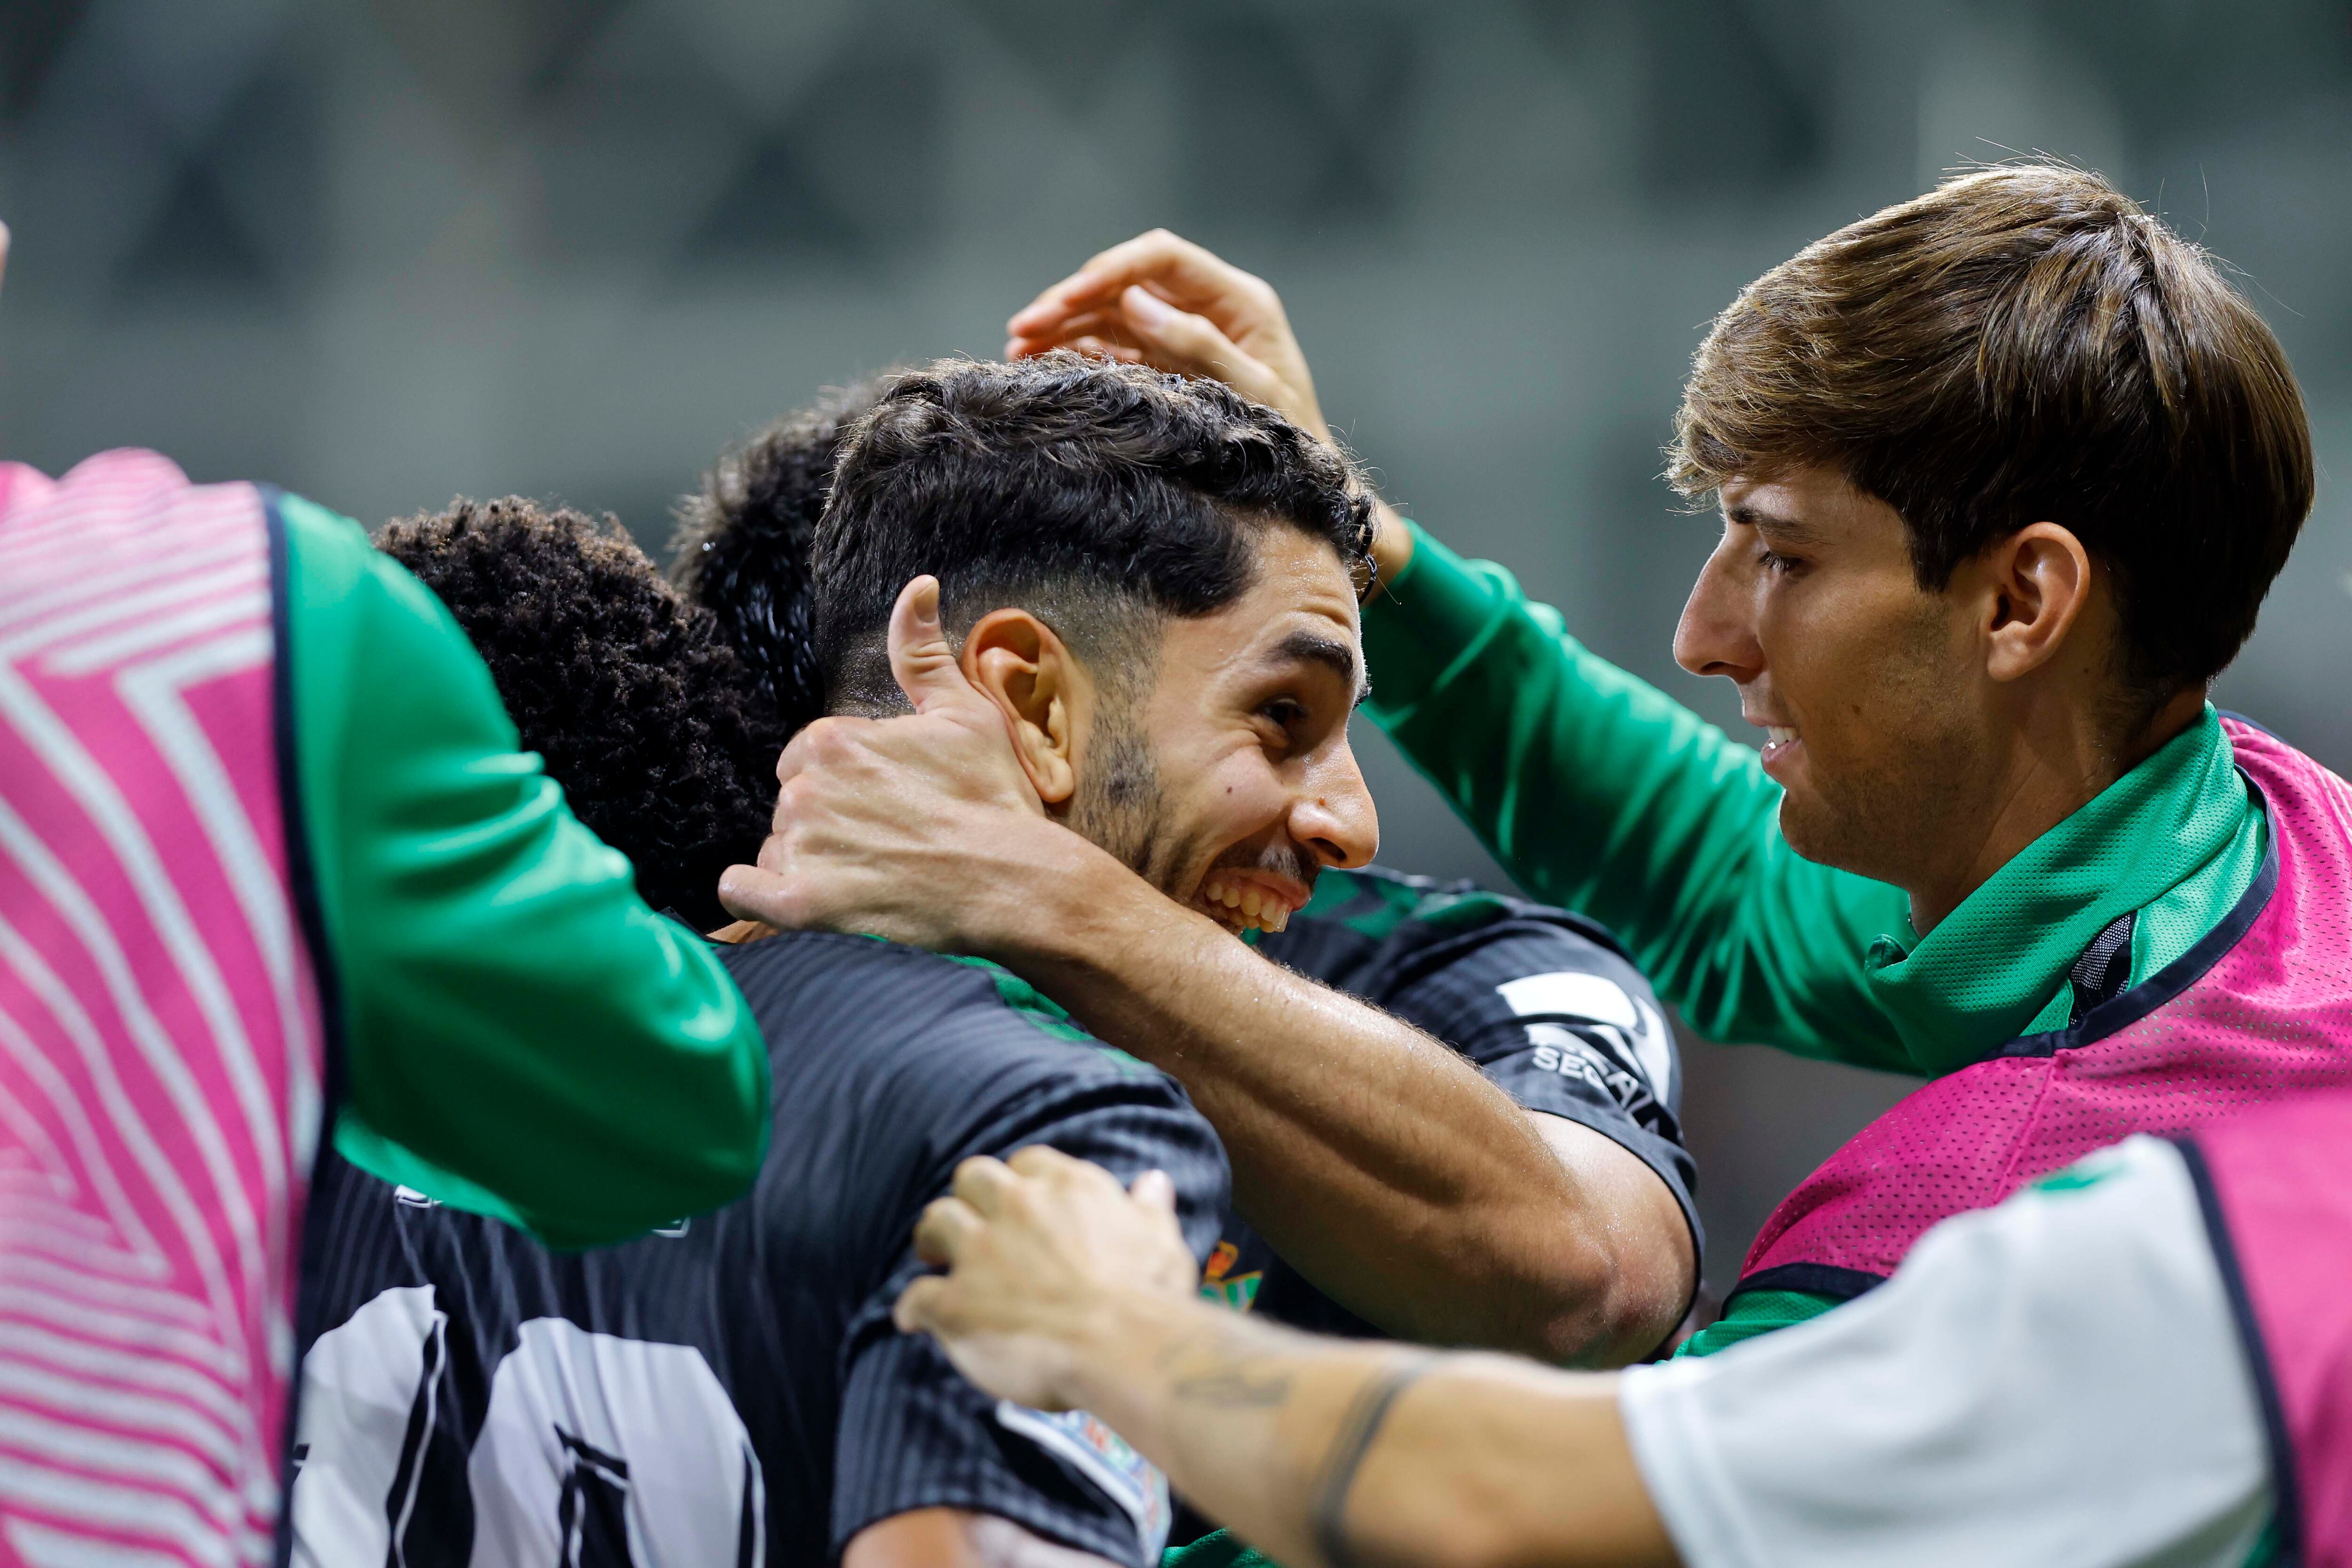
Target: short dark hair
(647, 719)
(2024, 343)
(742, 544)
(1099, 496)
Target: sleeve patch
(1569, 994)
(1104, 1457)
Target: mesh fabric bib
(2259, 1010)
(2276, 1188)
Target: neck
(2054, 770)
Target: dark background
(386, 253)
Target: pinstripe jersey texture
(731, 1389)
(160, 1032)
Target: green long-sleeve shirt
(520, 1035)
(1599, 792)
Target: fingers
(946, 1227)
(1176, 269)
(988, 1185)
(754, 893)
(918, 1306)
(1155, 1190)
(921, 659)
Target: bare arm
(1064, 1291)
(958, 1537)
(1371, 1157)
(1374, 1158)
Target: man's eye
(1774, 561)
(1287, 714)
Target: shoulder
(960, 1036)
(1379, 934)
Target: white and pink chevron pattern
(160, 1028)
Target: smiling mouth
(1243, 905)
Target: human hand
(1038, 1250)
(1161, 300)
(897, 827)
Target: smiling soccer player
(2007, 471)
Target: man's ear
(1017, 662)
(2037, 586)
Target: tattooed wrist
(1358, 1429)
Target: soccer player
(1580, 1250)
(741, 1377)
(269, 858)
(2140, 1359)
(2005, 473)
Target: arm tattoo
(1353, 1440)
(1225, 1373)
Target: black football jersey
(1545, 1003)
(731, 1389)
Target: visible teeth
(1779, 732)
(1233, 898)
(1281, 918)
(1213, 892)
(1250, 901)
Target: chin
(1809, 829)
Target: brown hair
(2023, 344)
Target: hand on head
(1161, 300)
(1164, 301)
(1037, 1250)
(863, 801)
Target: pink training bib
(2277, 1192)
(2260, 1010)
(160, 1028)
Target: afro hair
(652, 724)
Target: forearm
(1375, 1160)
(1297, 1443)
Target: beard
(1120, 806)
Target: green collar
(1993, 965)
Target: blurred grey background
(386, 253)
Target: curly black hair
(742, 545)
(654, 726)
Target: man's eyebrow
(1777, 524)
(1312, 648)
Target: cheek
(1239, 798)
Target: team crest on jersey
(1104, 1457)
(1219, 1284)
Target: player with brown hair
(2005, 473)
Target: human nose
(1333, 815)
(1717, 634)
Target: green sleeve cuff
(1754, 1313)
(1428, 620)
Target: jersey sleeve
(1566, 1026)
(1599, 792)
(2056, 1380)
(520, 1035)
(915, 1434)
